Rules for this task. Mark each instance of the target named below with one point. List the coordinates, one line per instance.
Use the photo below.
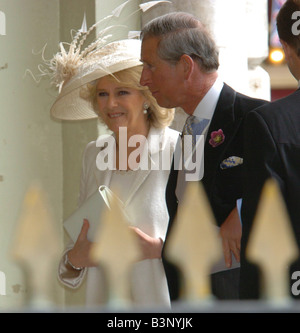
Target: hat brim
(72, 107)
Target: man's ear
(286, 48)
(187, 64)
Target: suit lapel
(224, 119)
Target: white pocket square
(231, 162)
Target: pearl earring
(146, 107)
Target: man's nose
(145, 77)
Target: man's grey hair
(181, 33)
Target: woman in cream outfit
(111, 89)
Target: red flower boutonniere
(216, 138)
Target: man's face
(292, 59)
(161, 77)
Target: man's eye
(148, 66)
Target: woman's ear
(188, 65)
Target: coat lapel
(150, 156)
(104, 177)
(223, 118)
(141, 175)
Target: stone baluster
(36, 247)
(194, 244)
(272, 245)
(116, 249)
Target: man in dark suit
(180, 68)
(272, 149)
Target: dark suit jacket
(223, 187)
(272, 149)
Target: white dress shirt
(204, 110)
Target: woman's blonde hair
(158, 117)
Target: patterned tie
(188, 130)
(191, 127)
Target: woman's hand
(150, 247)
(79, 255)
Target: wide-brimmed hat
(111, 58)
(72, 69)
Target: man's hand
(231, 233)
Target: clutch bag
(92, 210)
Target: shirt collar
(206, 107)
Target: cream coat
(146, 208)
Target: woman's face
(120, 106)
